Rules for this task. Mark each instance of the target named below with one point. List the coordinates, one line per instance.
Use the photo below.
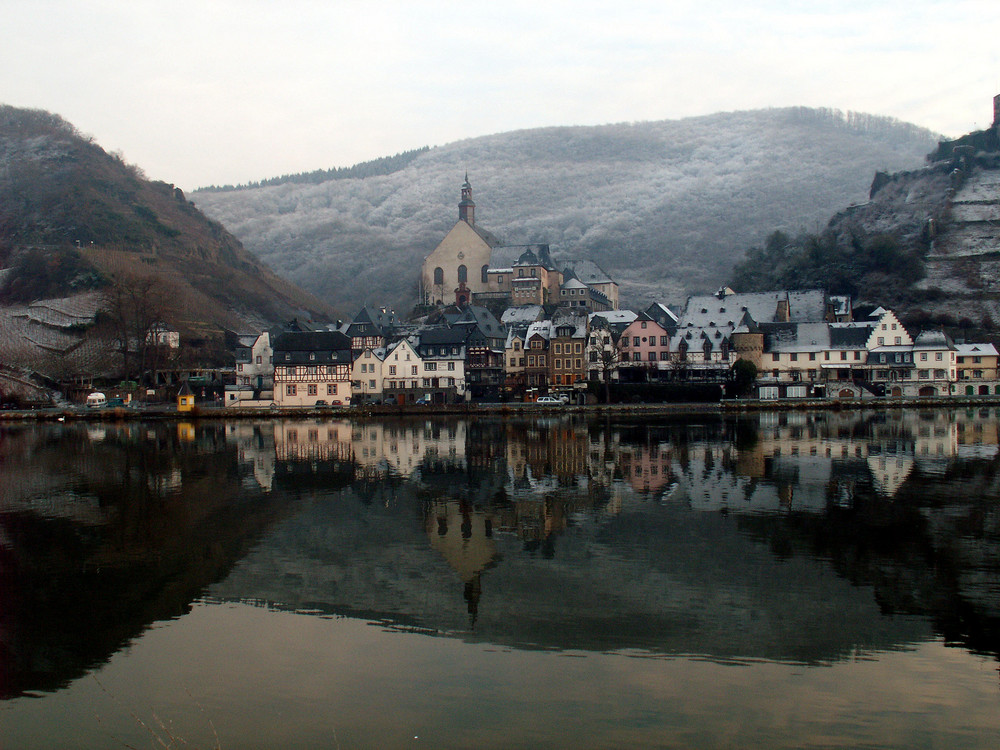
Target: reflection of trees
(163, 521)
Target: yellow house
(185, 398)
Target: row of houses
(802, 344)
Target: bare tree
(136, 304)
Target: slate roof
(976, 350)
(725, 312)
(796, 337)
(933, 340)
(505, 257)
(521, 315)
(588, 272)
(850, 335)
(327, 346)
(442, 335)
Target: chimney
(784, 312)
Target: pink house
(644, 341)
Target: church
(471, 265)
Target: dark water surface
(782, 580)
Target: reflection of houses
(255, 447)
(401, 449)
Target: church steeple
(466, 207)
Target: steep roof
(295, 347)
(521, 315)
(850, 335)
(724, 311)
(589, 272)
(795, 337)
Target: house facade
(312, 366)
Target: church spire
(466, 207)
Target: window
(938, 356)
(558, 364)
(331, 389)
(483, 276)
(664, 341)
(812, 356)
(923, 356)
(775, 356)
(364, 367)
(451, 365)
(290, 390)
(312, 356)
(881, 341)
(826, 356)
(463, 274)
(392, 369)
(428, 366)
(652, 356)
(857, 356)
(558, 349)
(664, 356)
(643, 325)
(438, 275)
(258, 359)
(635, 341)
(371, 384)
(312, 389)
(794, 357)
(898, 339)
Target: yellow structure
(457, 266)
(185, 398)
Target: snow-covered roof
(796, 337)
(725, 311)
(616, 316)
(976, 350)
(521, 315)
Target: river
(801, 579)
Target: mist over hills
(666, 207)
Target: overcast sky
(227, 91)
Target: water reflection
(798, 537)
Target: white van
(96, 400)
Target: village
(507, 324)
(497, 323)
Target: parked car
(319, 403)
(423, 400)
(550, 401)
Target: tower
(466, 207)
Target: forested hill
(73, 216)
(926, 243)
(666, 207)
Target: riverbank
(736, 406)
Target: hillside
(72, 216)
(666, 207)
(926, 243)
